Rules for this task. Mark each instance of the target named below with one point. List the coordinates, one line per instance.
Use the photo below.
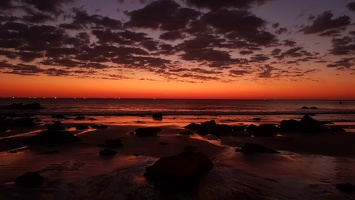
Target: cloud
(351, 6)
(343, 46)
(163, 14)
(343, 63)
(325, 22)
(171, 35)
(52, 6)
(214, 4)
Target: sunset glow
(260, 49)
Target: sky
(225, 49)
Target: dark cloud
(266, 71)
(351, 6)
(343, 46)
(24, 69)
(82, 18)
(259, 58)
(37, 18)
(206, 55)
(171, 35)
(52, 6)
(5, 4)
(325, 22)
(216, 4)
(343, 63)
(163, 14)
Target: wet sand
(308, 166)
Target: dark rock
(112, 143)
(58, 116)
(238, 128)
(193, 126)
(92, 119)
(221, 130)
(80, 117)
(53, 137)
(208, 125)
(148, 131)
(81, 127)
(21, 106)
(107, 152)
(313, 108)
(265, 130)
(255, 148)
(185, 133)
(289, 126)
(256, 119)
(337, 129)
(29, 180)
(56, 126)
(101, 126)
(304, 107)
(180, 173)
(251, 128)
(24, 122)
(163, 143)
(345, 187)
(157, 116)
(308, 124)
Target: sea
(190, 110)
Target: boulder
(193, 126)
(112, 143)
(24, 122)
(289, 126)
(81, 127)
(179, 173)
(264, 130)
(157, 116)
(148, 131)
(210, 127)
(337, 129)
(256, 119)
(240, 128)
(56, 126)
(107, 152)
(345, 187)
(29, 180)
(53, 137)
(80, 117)
(251, 128)
(308, 124)
(101, 126)
(255, 148)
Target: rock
(81, 127)
(256, 119)
(193, 126)
(308, 124)
(289, 126)
(210, 127)
(251, 128)
(24, 122)
(29, 180)
(56, 126)
(163, 143)
(53, 137)
(80, 117)
(337, 129)
(185, 133)
(22, 106)
(304, 107)
(179, 173)
(148, 131)
(58, 116)
(101, 126)
(255, 148)
(313, 108)
(157, 116)
(112, 143)
(238, 128)
(92, 119)
(345, 187)
(107, 152)
(264, 130)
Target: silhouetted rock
(29, 180)
(24, 122)
(56, 126)
(193, 126)
(58, 116)
(264, 130)
(112, 143)
(107, 152)
(308, 124)
(256, 119)
(179, 173)
(157, 116)
(240, 128)
(313, 108)
(53, 137)
(185, 133)
(304, 107)
(210, 127)
(81, 127)
(148, 131)
(21, 106)
(255, 148)
(288, 126)
(80, 117)
(345, 187)
(337, 129)
(101, 126)
(251, 128)
(92, 119)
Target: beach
(308, 165)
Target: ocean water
(230, 110)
